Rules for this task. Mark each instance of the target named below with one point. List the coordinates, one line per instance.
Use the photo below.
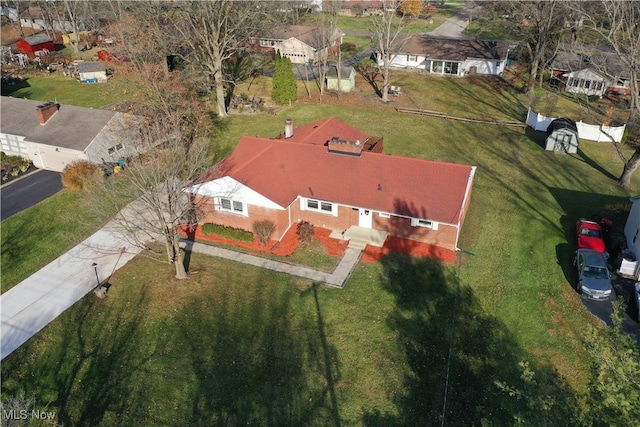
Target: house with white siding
(457, 57)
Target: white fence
(591, 132)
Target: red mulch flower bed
(411, 247)
(285, 247)
(289, 243)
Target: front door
(366, 218)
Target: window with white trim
(424, 223)
(412, 58)
(230, 205)
(320, 206)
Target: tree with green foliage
(284, 89)
(615, 385)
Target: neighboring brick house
(301, 44)
(336, 177)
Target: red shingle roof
(283, 169)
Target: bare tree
(387, 29)
(70, 17)
(169, 160)
(212, 33)
(541, 24)
(171, 146)
(616, 24)
(327, 38)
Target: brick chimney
(288, 128)
(340, 146)
(46, 110)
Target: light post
(95, 268)
(100, 291)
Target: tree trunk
(629, 168)
(385, 82)
(181, 272)
(220, 101)
(533, 75)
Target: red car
(589, 235)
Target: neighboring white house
(450, 56)
(588, 82)
(92, 72)
(591, 72)
(632, 234)
(53, 135)
(301, 44)
(43, 19)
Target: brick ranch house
(336, 177)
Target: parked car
(636, 297)
(589, 235)
(594, 281)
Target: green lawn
(239, 345)
(66, 90)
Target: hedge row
(227, 232)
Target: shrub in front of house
(263, 230)
(226, 232)
(81, 175)
(305, 231)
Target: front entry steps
(359, 237)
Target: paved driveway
(26, 192)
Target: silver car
(594, 281)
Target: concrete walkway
(39, 299)
(36, 301)
(336, 279)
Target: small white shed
(92, 72)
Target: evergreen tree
(284, 82)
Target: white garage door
(56, 160)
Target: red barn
(38, 42)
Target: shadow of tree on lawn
(466, 368)
(256, 364)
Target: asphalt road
(26, 192)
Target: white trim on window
(226, 204)
(416, 222)
(318, 206)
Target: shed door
(56, 160)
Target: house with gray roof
(301, 44)
(457, 57)
(92, 72)
(53, 135)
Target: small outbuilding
(36, 44)
(92, 72)
(562, 136)
(347, 78)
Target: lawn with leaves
(498, 335)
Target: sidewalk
(36, 301)
(39, 299)
(336, 279)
